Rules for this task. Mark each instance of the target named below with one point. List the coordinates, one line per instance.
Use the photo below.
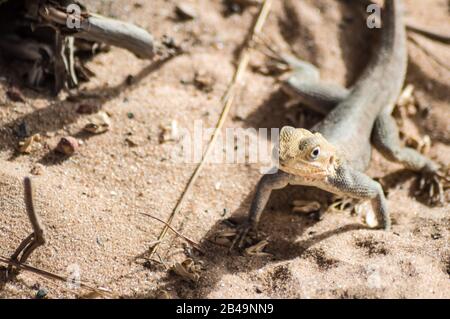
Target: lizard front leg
(264, 188)
(350, 182)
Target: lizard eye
(315, 153)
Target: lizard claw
(432, 186)
(241, 236)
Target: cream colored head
(304, 153)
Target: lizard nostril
(331, 159)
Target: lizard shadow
(399, 179)
(272, 114)
(355, 41)
(422, 82)
(3, 277)
(293, 30)
(283, 228)
(355, 44)
(59, 114)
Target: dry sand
(91, 202)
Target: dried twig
(434, 35)
(429, 53)
(227, 101)
(97, 28)
(190, 241)
(34, 241)
(37, 238)
(48, 274)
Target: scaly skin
(336, 152)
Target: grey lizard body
(335, 153)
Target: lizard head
(304, 153)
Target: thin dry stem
(49, 275)
(434, 35)
(190, 241)
(227, 101)
(429, 53)
(37, 238)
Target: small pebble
(436, 236)
(168, 41)
(15, 95)
(67, 146)
(130, 80)
(204, 81)
(132, 141)
(185, 12)
(37, 169)
(41, 293)
(22, 130)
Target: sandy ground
(91, 202)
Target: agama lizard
(335, 153)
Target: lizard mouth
(302, 169)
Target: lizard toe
(432, 186)
(241, 236)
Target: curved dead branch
(97, 28)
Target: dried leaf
(98, 123)
(224, 237)
(163, 294)
(15, 95)
(302, 206)
(169, 132)
(29, 144)
(257, 250)
(188, 270)
(406, 97)
(422, 145)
